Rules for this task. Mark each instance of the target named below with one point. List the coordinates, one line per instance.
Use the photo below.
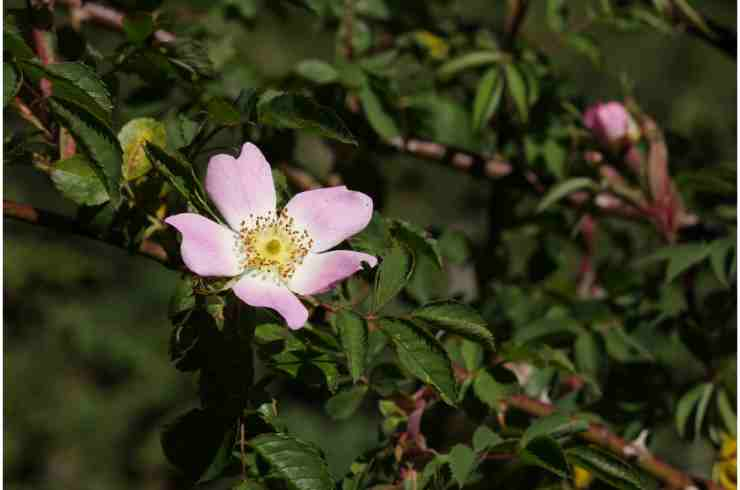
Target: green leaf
(133, 136)
(417, 240)
(317, 71)
(701, 407)
(563, 189)
(374, 239)
(76, 179)
(353, 334)
(296, 462)
(190, 57)
(726, 412)
(459, 319)
(545, 452)
(392, 275)
(589, 354)
(606, 467)
(379, 119)
(454, 246)
(223, 112)
(11, 82)
(462, 462)
(422, 355)
(83, 77)
(585, 45)
(491, 390)
(487, 98)
(290, 111)
(138, 26)
(694, 17)
(718, 252)
(555, 425)
(345, 403)
(516, 86)
(181, 131)
(683, 257)
(466, 61)
(96, 140)
(557, 15)
(14, 43)
(484, 437)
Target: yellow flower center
(272, 246)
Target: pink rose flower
(275, 253)
(611, 124)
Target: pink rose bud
(611, 124)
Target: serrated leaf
(296, 462)
(191, 57)
(393, 274)
(11, 82)
(459, 319)
(545, 452)
(516, 86)
(78, 181)
(417, 240)
(487, 98)
(555, 425)
(96, 140)
(133, 136)
(484, 437)
(345, 403)
(563, 189)
(353, 335)
(181, 131)
(468, 60)
(462, 462)
(379, 119)
(84, 77)
(290, 111)
(317, 71)
(422, 355)
(606, 467)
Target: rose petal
(260, 293)
(319, 272)
(330, 215)
(207, 247)
(241, 186)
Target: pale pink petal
(319, 272)
(207, 247)
(330, 215)
(241, 186)
(261, 293)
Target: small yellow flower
(725, 469)
(435, 45)
(582, 478)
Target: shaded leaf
(606, 467)
(291, 111)
(487, 98)
(11, 82)
(422, 355)
(554, 426)
(516, 86)
(545, 452)
(462, 461)
(379, 119)
(563, 189)
(466, 61)
(353, 334)
(392, 275)
(457, 318)
(484, 437)
(77, 180)
(296, 462)
(345, 403)
(317, 71)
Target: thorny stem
(48, 219)
(601, 436)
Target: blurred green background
(88, 383)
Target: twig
(106, 17)
(601, 436)
(29, 214)
(515, 19)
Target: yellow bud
(582, 478)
